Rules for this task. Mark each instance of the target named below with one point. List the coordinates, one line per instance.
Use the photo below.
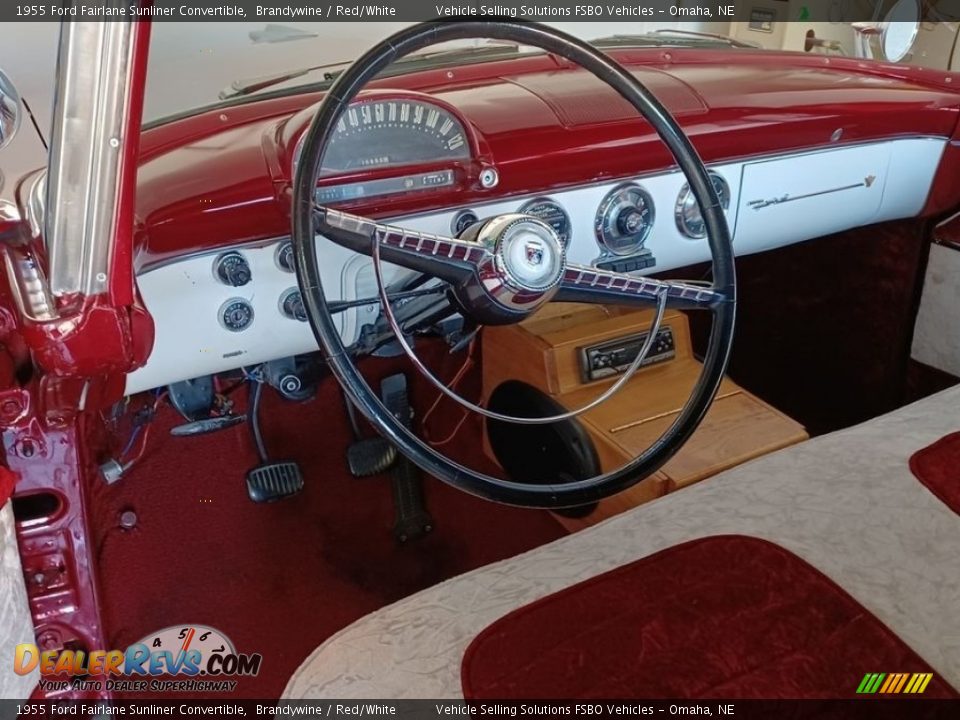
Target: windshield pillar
(93, 155)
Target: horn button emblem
(529, 255)
(527, 261)
(534, 253)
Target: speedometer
(390, 132)
(624, 220)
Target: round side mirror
(899, 30)
(10, 110)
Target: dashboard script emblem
(534, 253)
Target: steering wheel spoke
(585, 284)
(436, 255)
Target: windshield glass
(196, 65)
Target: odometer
(624, 220)
(387, 133)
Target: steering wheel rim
(305, 215)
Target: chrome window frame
(83, 183)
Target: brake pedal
(267, 483)
(371, 456)
(412, 520)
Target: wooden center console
(548, 351)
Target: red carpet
(938, 468)
(279, 579)
(722, 617)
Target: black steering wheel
(507, 267)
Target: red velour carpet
(937, 466)
(721, 617)
(279, 579)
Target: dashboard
(798, 147)
(238, 306)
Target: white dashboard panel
(774, 202)
(791, 199)
(788, 200)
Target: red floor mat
(279, 579)
(722, 617)
(938, 468)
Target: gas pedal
(411, 520)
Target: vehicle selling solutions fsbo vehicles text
(583, 11)
(541, 11)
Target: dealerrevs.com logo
(188, 658)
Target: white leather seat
(846, 502)
(16, 625)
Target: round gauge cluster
(624, 220)
(553, 214)
(687, 211)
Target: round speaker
(540, 454)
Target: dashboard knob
(285, 257)
(236, 315)
(630, 220)
(291, 305)
(232, 269)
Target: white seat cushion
(16, 625)
(847, 503)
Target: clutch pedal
(269, 481)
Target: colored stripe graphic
(902, 681)
(870, 683)
(892, 678)
(894, 683)
(918, 683)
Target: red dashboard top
(222, 177)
